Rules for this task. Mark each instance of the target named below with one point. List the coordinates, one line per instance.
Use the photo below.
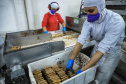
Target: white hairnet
(55, 5)
(100, 4)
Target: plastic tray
(82, 78)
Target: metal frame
(25, 38)
(121, 2)
(74, 26)
(30, 54)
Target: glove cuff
(71, 61)
(45, 31)
(80, 70)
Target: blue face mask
(93, 18)
(53, 11)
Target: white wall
(67, 8)
(20, 15)
(7, 18)
(14, 14)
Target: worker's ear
(49, 6)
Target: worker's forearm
(76, 50)
(63, 24)
(97, 56)
(44, 29)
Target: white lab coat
(108, 32)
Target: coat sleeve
(44, 22)
(112, 36)
(85, 33)
(60, 18)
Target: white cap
(100, 4)
(55, 5)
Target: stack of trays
(60, 72)
(70, 74)
(64, 68)
(38, 77)
(51, 76)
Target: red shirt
(51, 22)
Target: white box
(83, 78)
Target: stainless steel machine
(18, 75)
(17, 60)
(74, 23)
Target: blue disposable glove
(79, 71)
(69, 64)
(64, 30)
(46, 32)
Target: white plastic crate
(82, 78)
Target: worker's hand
(45, 32)
(69, 64)
(79, 71)
(64, 30)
